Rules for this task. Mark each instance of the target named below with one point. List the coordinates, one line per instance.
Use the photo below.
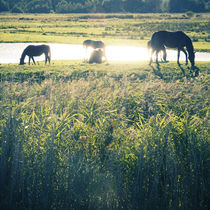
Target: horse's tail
(153, 42)
(149, 44)
(49, 52)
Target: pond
(11, 53)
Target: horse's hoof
(196, 73)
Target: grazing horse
(96, 56)
(36, 50)
(177, 40)
(95, 45)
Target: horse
(149, 46)
(36, 50)
(95, 45)
(177, 40)
(96, 56)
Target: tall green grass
(103, 139)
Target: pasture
(117, 135)
(130, 29)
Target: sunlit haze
(11, 53)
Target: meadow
(121, 135)
(122, 29)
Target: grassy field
(110, 136)
(114, 136)
(130, 29)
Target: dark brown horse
(36, 50)
(95, 45)
(96, 56)
(177, 40)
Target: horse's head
(192, 58)
(21, 62)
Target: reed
(103, 139)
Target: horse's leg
(178, 55)
(46, 58)
(184, 51)
(104, 53)
(86, 53)
(49, 59)
(151, 56)
(157, 52)
(33, 60)
(29, 60)
(164, 53)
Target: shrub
(190, 14)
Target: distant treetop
(105, 6)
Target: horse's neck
(189, 46)
(23, 56)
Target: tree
(38, 6)
(62, 6)
(65, 6)
(18, 8)
(133, 5)
(3, 6)
(114, 5)
(187, 5)
(53, 4)
(164, 5)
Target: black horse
(95, 45)
(36, 50)
(177, 40)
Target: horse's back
(169, 33)
(169, 39)
(99, 44)
(94, 44)
(37, 50)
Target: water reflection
(11, 53)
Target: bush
(190, 14)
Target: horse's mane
(189, 44)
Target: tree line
(106, 6)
